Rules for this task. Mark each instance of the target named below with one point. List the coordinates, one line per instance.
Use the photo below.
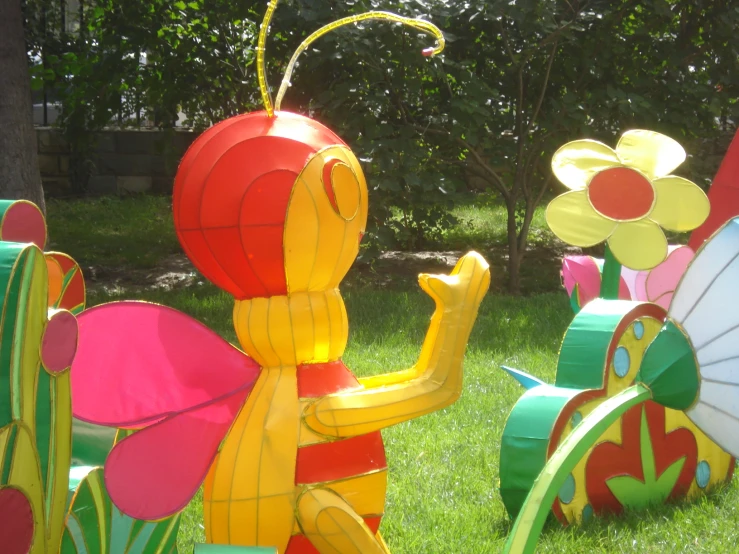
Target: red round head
(235, 187)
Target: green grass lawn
(482, 221)
(443, 480)
(133, 232)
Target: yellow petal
(639, 244)
(571, 217)
(576, 162)
(653, 153)
(681, 205)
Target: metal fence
(65, 16)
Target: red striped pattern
(330, 461)
(316, 380)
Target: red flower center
(621, 193)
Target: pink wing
(138, 362)
(155, 473)
(139, 365)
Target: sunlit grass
(483, 221)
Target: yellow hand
(434, 382)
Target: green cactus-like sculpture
(37, 345)
(42, 510)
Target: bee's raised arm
(434, 382)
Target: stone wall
(122, 161)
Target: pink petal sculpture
(582, 274)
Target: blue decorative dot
(621, 361)
(703, 474)
(567, 491)
(639, 330)
(576, 419)
(587, 513)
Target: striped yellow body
(250, 495)
(250, 492)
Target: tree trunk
(514, 258)
(19, 170)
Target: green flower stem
(538, 503)
(611, 278)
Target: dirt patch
(540, 271)
(172, 272)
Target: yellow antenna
(266, 100)
(419, 24)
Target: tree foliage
(516, 81)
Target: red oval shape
(621, 193)
(16, 514)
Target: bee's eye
(342, 188)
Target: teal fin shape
(528, 381)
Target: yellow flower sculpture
(625, 196)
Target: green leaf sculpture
(654, 489)
(37, 346)
(96, 526)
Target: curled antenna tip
(418, 24)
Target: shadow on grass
(125, 239)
